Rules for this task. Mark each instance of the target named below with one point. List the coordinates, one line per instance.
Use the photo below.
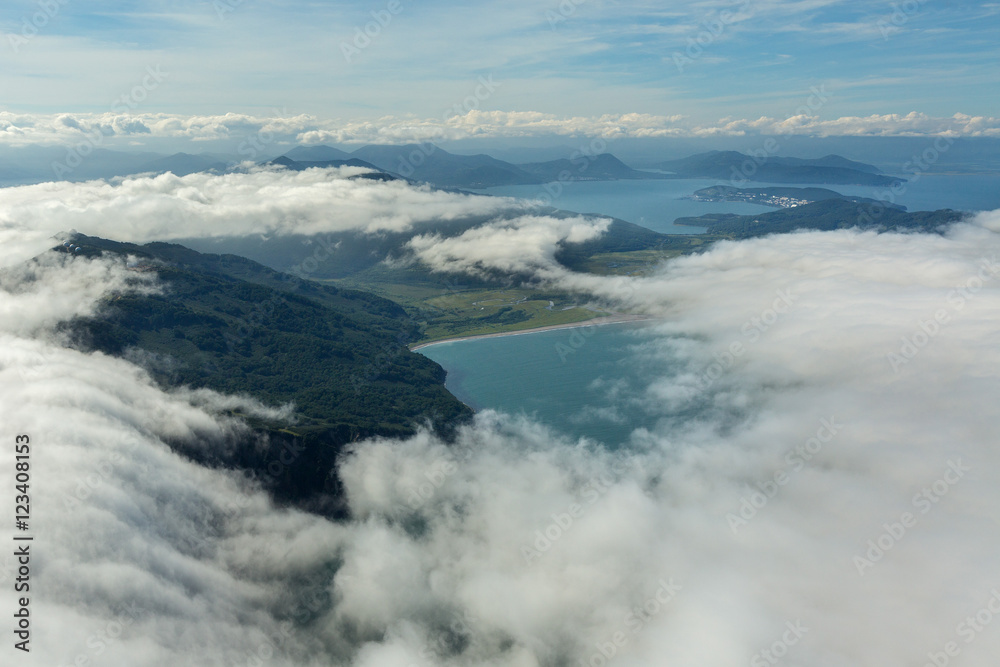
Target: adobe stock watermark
(32, 25)
(967, 630)
(928, 329)
(743, 173)
(223, 7)
(576, 341)
(753, 329)
(902, 12)
(562, 12)
(434, 478)
(128, 101)
(914, 168)
(276, 467)
(581, 159)
(796, 460)
(593, 490)
(713, 27)
(366, 34)
(253, 145)
(462, 626)
(86, 486)
(110, 634)
(266, 649)
(484, 89)
(779, 648)
(634, 622)
(924, 501)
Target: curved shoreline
(597, 321)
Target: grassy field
(478, 312)
(451, 307)
(451, 310)
(636, 263)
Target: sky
(576, 66)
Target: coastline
(597, 321)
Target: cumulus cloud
(821, 483)
(824, 458)
(263, 202)
(110, 128)
(525, 244)
(141, 557)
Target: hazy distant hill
(229, 324)
(182, 164)
(727, 165)
(823, 215)
(434, 165)
(833, 161)
(301, 165)
(431, 164)
(317, 154)
(603, 167)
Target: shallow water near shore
(569, 379)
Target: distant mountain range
(182, 164)
(301, 165)
(432, 164)
(739, 168)
(603, 167)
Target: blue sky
(740, 59)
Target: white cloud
(522, 245)
(262, 202)
(516, 546)
(109, 129)
(815, 373)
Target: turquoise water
(565, 378)
(656, 204)
(574, 379)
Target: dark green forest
(232, 325)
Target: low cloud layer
(260, 203)
(820, 489)
(824, 460)
(103, 129)
(525, 245)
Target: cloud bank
(263, 202)
(821, 487)
(257, 132)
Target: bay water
(579, 392)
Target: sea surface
(656, 204)
(652, 204)
(569, 379)
(573, 379)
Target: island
(777, 197)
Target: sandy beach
(598, 321)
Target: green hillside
(229, 324)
